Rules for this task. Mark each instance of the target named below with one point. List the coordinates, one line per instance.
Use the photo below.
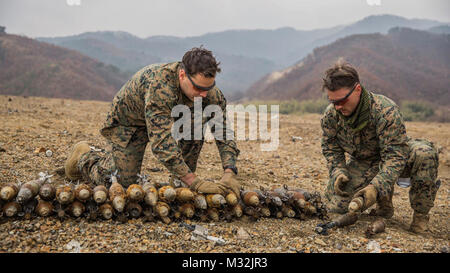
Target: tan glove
(229, 182)
(339, 185)
(207, 187)
(369, 195)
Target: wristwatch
(233, 168)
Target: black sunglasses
(343, 100)
(201, 87)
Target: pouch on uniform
(404, 182)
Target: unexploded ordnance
(151, 194)
(200, 201)
(76, 208)
(213, 214)
(187, 209)
(9, 191)
(65, 194)
(47, 192)
(117, 196)
(237, 210)
(44, 208)
(297, 199)
(162, 209)
(134, 209)
(356, 204)
(135, 193)
(83, 192)
(12, 208)
(231, 199)
(184, 195)
(29, 190)
(166, 219)
(106, 211)
(287, 211)
(265, 211)
(250, 198)
(167, 194)
(100, 194)
(376, 227)
(215, 200)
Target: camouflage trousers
(421, 168)
(127, 159)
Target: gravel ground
(29, 124)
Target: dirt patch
(31, 126)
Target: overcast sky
(47, 18)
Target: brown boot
(419, 223)
(70, 166)
(384, 208)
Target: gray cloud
(195, 17)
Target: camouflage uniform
(378, 154)
(141, 113)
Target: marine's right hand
(198, 185)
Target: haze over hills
(32, 68)
(404, 64)
(258, 52)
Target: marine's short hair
(341, 75)
(200, 60)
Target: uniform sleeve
(393, 145)
(159, 127)
(227, 148)
(331, 149)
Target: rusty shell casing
(213, 214)
(166, 220)
(376, 227)
(106, 211)
(11, 208)
(134, 209)
(167, 194)
(135, 193)
(100, 194)
(76, 208)
(297, 199)
(274, 199)
(65, 194)
(162, 209)
(117, 196)
(251, 211)
(47, 192)
(151, 194)
(200, 201)
(265, 211)
(309, 208)
(83, 192)
(28, 191)
(278, 214)
(215, 200)
(44, 208)
(184, 195)
(237, 210)
(288, 211)
(9, 191)
(356, 204)
(231, 199)
(187, 210)
(250, 198)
